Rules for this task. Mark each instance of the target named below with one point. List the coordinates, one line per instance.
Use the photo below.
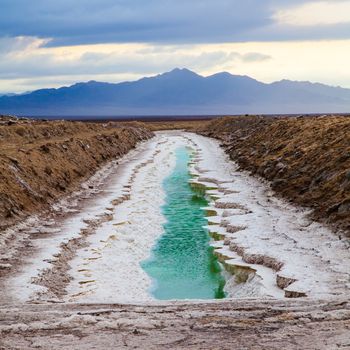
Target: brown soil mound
(188, 125)
(307, 159)
(40, 161)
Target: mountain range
(180, 92)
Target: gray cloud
(91, 21)
(162, 21)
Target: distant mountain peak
(180, 73)
(222, 74)
(180, 92)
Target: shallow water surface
(182, 264)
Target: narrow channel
(182, 264)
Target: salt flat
(95, 254)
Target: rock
(45, 149)
(267, 171)
(347, 176)
(280, 166)
(283, 281)
(344, 207)
(279, 183)
(13, 160)
(294, 294)
(5, 266)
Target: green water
(183, 265)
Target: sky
(50, 43)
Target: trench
(182, 264)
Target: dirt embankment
(307, 159)
(189, 124)
(41, 161)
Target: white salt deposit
(309, 253)
(252, 222)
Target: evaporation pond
(182, 264)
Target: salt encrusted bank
(267, 243)
(267, 247)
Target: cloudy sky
(50, 43)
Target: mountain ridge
(180, 92)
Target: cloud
(100, 21)
(255, 57)
(54, 42)
(80, 22)
(21, 44)
(30, 65)
(318, 13)
(28, 57)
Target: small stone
(5, 266)
(344, 207)
(280, 166)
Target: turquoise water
(183, 265)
